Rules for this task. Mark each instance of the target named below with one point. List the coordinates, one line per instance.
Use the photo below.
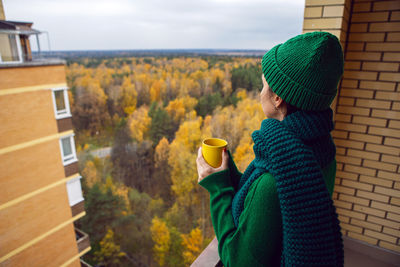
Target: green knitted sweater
(260, 244)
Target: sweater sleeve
(256, 240)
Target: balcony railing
(209, 257)
(82, 239)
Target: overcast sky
(157, 24)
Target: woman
(279, 211)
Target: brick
(351, 214)
(387, 191)
(339, 166)
(369, 240)
(384, 131)
(355, 47)
(372, 56)
(380, 236)
(373, 103)
(395, 201)
(369, 121)
(394, 124)
(348, 143)
(356, 93)
(384, 27)
(333, 11)
(324, 2)
(370, 17)
(389, 246)
(385, 86)
(312, 12)
(349, 160)
(339, 134)
(358, 27)
(346, 101)
(388, 175)
(379, 165)
(392, 142)
(351, 127)
(343, 204)
(396, 106)
(376, 181)
(344, 190)
(362, 154)
(370, 211)
(361, 7)
(384, 222)
(353, 110)
(388, 76)
(349, 83)
(366, 37)
(340, 151)
(366, 138)
(395, 16)
(367, 225)
(383, 149)
(396, 185)
(343, 117)
(395, 96)
(391, 231)
(352, 228)
(323, 23)
(391, 159)
(386, 114)
(360, 170)
(357, 185)
(347, 175)
(388, 56)
(393, 36)
(372, 196)
(385, 207)
(385, 47)
(352, 65)
(344, 219)
(361, 75)
(386, 5)
(392, 216)
(338, 181)
(380, 66)
(356, 200)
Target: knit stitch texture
(294, 151)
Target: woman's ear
(278, 101)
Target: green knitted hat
(305, 70)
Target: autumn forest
(138, 124)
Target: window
(61, 103)
(10, 48)
(74, 190)
(68, 152)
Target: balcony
(82, 240)
(15, 47)
(357, 254)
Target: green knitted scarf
(294, 151)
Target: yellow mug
(212, 151)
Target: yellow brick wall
(367, 131)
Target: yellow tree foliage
(90, 173)
(128, 96)
(161, 238)
(192, 245)
(162, 152)
(180, 106)
(109, 253)
(244, 153)
(157, 90)
(139, 123)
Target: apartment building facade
(41, 194)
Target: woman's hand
(204, 170)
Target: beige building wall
(36, 218)
(367, 130)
